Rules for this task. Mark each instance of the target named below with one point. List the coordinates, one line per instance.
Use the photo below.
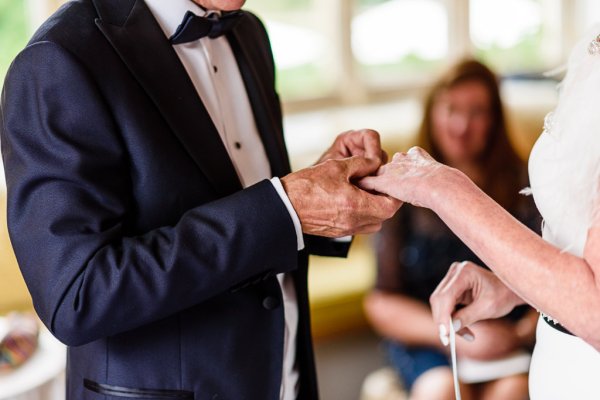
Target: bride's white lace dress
(564, 169)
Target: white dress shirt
(213, 70)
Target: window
(394, 40)
(352, 51)
(299, 32)
(337, 47)
(588, 12)
(516, 35)
(14, 32)
(340, 47)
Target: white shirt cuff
(343, 239)
(288, 204)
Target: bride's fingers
(371, 183)
(419, 158)
(413, 154)
(447, 295)
(466, 333)
(417, 151)
(382, 169)
(398, 157)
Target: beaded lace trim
(594, 46)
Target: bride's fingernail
(444, 335)
(445, 341)
(468, 337)
(456, 324)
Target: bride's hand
(410, 177)
(481, 293)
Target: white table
(39, 378)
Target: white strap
(453, 358)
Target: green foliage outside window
(302, 81)
(525, 56)
(410, 65)
(298, 80)
(369, 3)
(13, 32)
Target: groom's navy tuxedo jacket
(139, 247)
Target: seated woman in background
(463, 126)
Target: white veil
(565, 162)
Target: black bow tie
(194, 27)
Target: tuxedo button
(237, 145)
(270, 302)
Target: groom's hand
(329, 204)
(363, 142)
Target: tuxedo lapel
(138, 39)
(268, 124)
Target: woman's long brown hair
(502, 170)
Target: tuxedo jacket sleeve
(126, 216)
(76, 210)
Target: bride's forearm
(557, 283)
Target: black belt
(556, 325)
